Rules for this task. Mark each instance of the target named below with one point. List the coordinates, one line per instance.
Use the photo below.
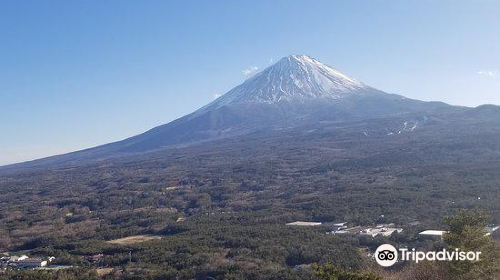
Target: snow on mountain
(292, 78)
(263, 105)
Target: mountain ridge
(297, 90)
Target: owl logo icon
(386, 255)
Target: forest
(221, 209)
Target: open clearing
(134, 239)
(104, 271)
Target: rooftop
(433, 232)
(307, 224)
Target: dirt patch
(103, 271)
(134, 239)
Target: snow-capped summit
(291, 78)
(265, 105)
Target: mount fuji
(296, 93)
(293, 78)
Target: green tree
(331, 272)
(466, 231)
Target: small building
(380, 230)
(389, 231)
(334, 227)
(432, 234)
(352, 230)
(490, 229)
(17, 258)
(304, 224)
(368, 231)
(31, 263)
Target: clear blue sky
(75, 74)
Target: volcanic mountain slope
(293, 78)
(297, 91)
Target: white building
(17, 258)
(432, 234)
(304, 224)
(380, 231)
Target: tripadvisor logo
(386, 255)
